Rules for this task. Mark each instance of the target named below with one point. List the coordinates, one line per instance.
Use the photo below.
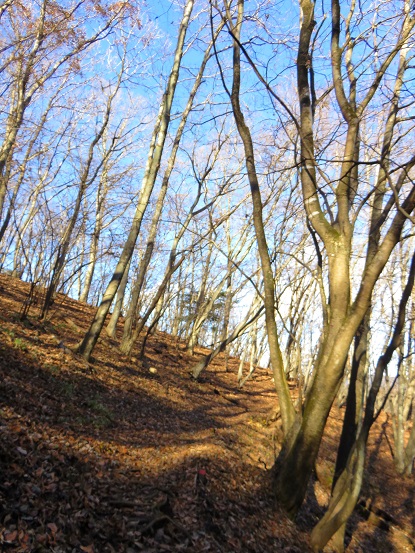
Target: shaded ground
(114, 457)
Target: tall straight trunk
(199, 314)
(132, 312)
(87, 345)
(358, 373)
(96, 234)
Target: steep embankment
(111, 456)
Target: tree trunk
(243, 325)
(132, 313)
(349, 481)
(112, 323)
(88, 175)
(87, 345)
(287, 409)
(170, 270)
(99, 217)
(296, 460)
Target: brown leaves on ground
(112, 457)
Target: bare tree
(88, 175)
(44, 40)
(349, 479)
(287, 408)
(333, 217)
(153, 164)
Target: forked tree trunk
(296, 460)
(349, 481)
(358, 373)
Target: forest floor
(130, 456)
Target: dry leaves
(116, 457)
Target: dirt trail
(115, 457)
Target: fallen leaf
(9, 537)
(88, 548)
(52, 527)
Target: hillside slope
(112, 457)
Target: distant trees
(47, 108)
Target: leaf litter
(110, 456)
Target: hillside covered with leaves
(129, 455)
